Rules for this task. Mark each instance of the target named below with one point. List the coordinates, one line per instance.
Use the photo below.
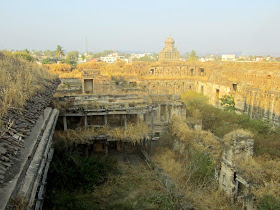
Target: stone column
(152, 128)
(125, 121)
(152, 119)
(86, 123)
(65, 123)
(144, 117)
(125, 157)
(106, 148)
(105, 120)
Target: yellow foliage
(87, 65)
(181, 130)
(62, 67)
(264, 172)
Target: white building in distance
(228, 57)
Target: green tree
(102, 54)
(72, 56)
(59, 51)
(47, 61)
(25, 55)
(83, 57)
(192, 56)
(49, 53)
(227, 101)
(146, 58)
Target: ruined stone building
(97, 101)
(254, 86)
(169, 53)
(237, 147)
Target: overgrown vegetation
(192, 170)
(96, 182)
(19, 81)
(263, 168)
(136, 188)
(219, 122)
(72, 177)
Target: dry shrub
(210, 198)
(240, 132)
(87, 65)
(19, 81)
(136, 188)
(264, 173)
(134, 133)
(167, 161)
(62, 67)
(73, 74)
(180, 130)
(207, 142)
(20, 203)
(203, 194)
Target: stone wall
(255, 86)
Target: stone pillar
(105, 120)
(65, 123)
(151, 147)
(86, 123)
(144, 117)
(106, 148)
(125, 121)
(152, 119)
(152, 128)
(125, 157)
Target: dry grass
(181, 130)
(200, 140)
(264, 172)
(240, 132)
(202, 195)
(136, 188)
(19, 81)
(134, 133)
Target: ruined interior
(149, 96)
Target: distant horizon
(243, 27)
(142, 52)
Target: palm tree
(59, 52)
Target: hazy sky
(247, 26)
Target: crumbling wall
(237, 145)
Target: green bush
(269, 202)
(201, 167)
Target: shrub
(268, 202)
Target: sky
(248, 27)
